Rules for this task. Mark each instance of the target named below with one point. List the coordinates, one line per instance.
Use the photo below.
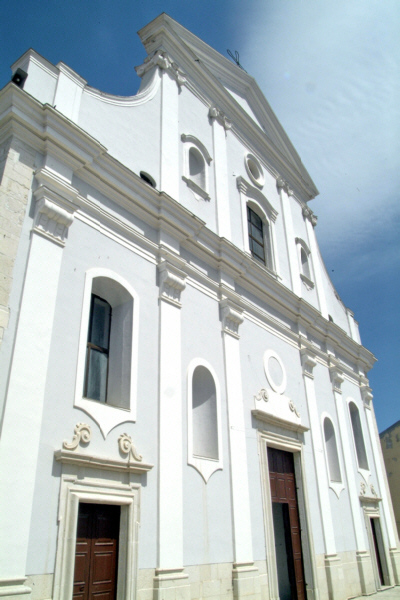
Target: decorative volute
(162, 60)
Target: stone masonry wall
(16, 168)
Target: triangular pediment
(227, 84)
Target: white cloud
(330, 71)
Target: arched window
(204, 419)
(195, 167)
(258, 219)
(108, 350)
(358, 437)
(331, 451)
(259, 236)
(204, 414)
(304, 263)
(304, 255)
(109, 345)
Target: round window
(254, 170)
(275, 371)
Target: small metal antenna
(235, 58)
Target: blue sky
(330, 70)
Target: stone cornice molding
(34, 123)
(104, 463)
(367, 396)
(337, 378)
(281, 184)
(220, 117)
(231, 317)
(308, 214)
(172, 283)
(161, 59)
(254, 193)
(265, 417)
(308, 362)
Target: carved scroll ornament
(82, 433)
(127, 447)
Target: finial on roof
(236, 59)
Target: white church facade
(185, 409)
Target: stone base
(246, 582)
(171, 584)
(394, 554)
(335, 577)
(11, 589)
(366, 573)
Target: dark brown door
(96, 552)
(286, 525)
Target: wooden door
(283, 491)
(96, 554)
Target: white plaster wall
(194, 120)
(131, 134)
(207, 515)
(87, 248)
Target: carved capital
(231, 316)
(172, 283)
(336, 378)
(82, 432)
(308, 362)
(308, 214)
(220, 117)
(281, 184)
(367, 396)
(163, 61)
(126, 446)
(52, 221)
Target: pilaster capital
(336, 378)
(52, 221)
(162, 60)
(231, 317)
(308, 214)
(366, 394)
(308, 362)
(281, 184)
(220, 117)
(172, 283)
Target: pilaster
(386, 507)
(27, 379)
(170, 581)
(311, 221)
(333, 569)
(364, 564)
(220, 127)
(245, 573)
(172, 78)
(284, 193)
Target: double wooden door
(96, 557)
(286, 525)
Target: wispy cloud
(331, 72)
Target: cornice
(41, 125)
(278, 422)
(93, 461)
